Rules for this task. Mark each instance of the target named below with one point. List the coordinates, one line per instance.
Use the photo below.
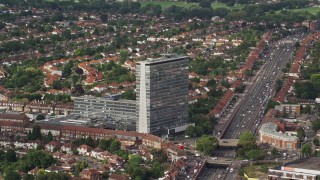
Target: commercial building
(269, 134)
(304, 170)
(162, 94)
(115, 111)
(289, 109)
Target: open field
(312, 10)
(164, 5)
(185, 4)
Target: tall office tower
(162, 94)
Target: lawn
(166, 4)
(312, 10)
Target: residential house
(175, 153)
(68, 158)
(84, 150)
(96, 153)
(58, 155)
(105, 155)
(67, 167)
(67, 147)
(115, 159)
(14, 117)
(52, 146)
(34, 171)
(6, 143)
(55, 169)
(91, 174)
(118, 177)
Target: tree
(307, 109)
(2, 155)
(104, 18)
(316, 125)
(211, 83)
(275, 151)
(40, 117)
(129, 94)
(56, 85)
(123, 55)
(104, 144)
(157, 170)
(247, 138)
(12, 175)
(316, 142)
(36, 132)
(135, 159)
(207, 144)
(306, 150)
(255, 154)
(49, 137)
(190, 131)
(28, 177)
(89, 141)
(11, 156)
(279, 85)
(79, 167)
(301, 134)
(78, 90)
(159, 155)
(205, 4)
(105, 175)
(115, 146)
(38, 158)
(247, 142)
(315, 78)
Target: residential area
(116, 90)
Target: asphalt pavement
(247, 114)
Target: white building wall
(143, 124)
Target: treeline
(250, 11)
(310, 89)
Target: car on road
(231, 170)
(219, 177)
(214, 158)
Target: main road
(249, 112)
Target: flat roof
(271, 128)
(163, 59)
(105, 99)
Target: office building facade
(162, 94)
(119, 112)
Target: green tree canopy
(301, 134)
(247, 138)
(255, 154)
(38, 158)
(207, 144)
(315, 78)
(11, 156)
(306, 150)
(115, 146)
(316, 125)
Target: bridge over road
(219, 162)
(228, 143)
